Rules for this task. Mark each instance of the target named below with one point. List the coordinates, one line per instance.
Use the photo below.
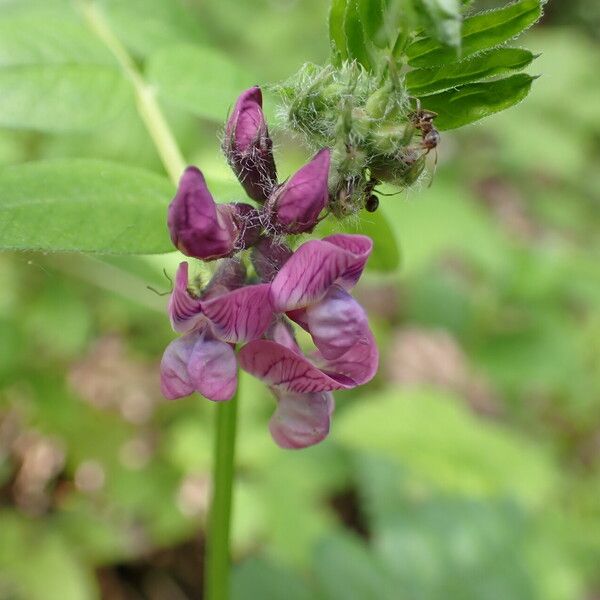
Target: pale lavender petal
(184, 310)
(336, 323)
(241, 315)
(316, 266)
(286, 369)
(212, 368)
(198, 227)
(358, 365)
(301, 420)
(282, 332)
(175, 381)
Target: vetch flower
(203, 359)
(295, 206)
(248, 147)
(203, 229)
(312, 289)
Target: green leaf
(439, 440)
(386, 252)
(480, 32)
(442, 19)
(31, 38)
(482, 66)
(474, 101)
(60, 98)
(198, 79)
(83, 206)
(345, 568)
(256, 578)
(371, 15)
(356, 44)
(144, 26)
(337, 35)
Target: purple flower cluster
(309, 287)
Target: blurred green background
(468, 469)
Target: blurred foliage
(469, 469)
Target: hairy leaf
(83, 206)
(482, 66)
(61, 97)
(480, 32)
(474, 101)
(198, 79)
(443, 20)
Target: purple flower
(312, 289)
(295, 206)
(202, 229)
(249, 148)
(203, 359)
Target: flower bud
(248, 147)
(295, 206)
(202, 229)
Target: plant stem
(216, 574)
(145, 97)
(217, 560)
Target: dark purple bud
(202, 229)
(295, 206)
(248, 147)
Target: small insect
(423, 121)
(371, 200)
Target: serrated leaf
(61, 98)
(198, 79)
(443, 20)
(480, 32)
(337, 36)
(482, 66)
(83, 206)
(469, 103)
(357, 45)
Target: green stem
(217, 551)
(145, 97)
(216, 575)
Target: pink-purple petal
(286, 369)
(301, 420)
(315, 266)
(212, 368)
(184, 310)
(241, 315)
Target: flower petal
(198, 227)
(241, 315)
(212, 368)
(286, 369)
(336, 323)
(184, 310)
(296, 205)
(301, 420)
(175, 381)
(315, 266)
(358, 365)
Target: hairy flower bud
(295, 206)
(248, 147)
(202, 229)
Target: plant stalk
(217, 561)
